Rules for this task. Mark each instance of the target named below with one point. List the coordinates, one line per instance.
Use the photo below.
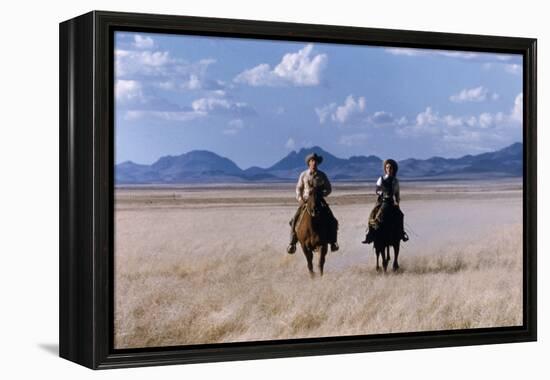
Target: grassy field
(191, 272)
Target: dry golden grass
(170, 290)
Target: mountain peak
(295, 160)
(314, 148)
(515, 147)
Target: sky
(254, 101)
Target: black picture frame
(86, 189)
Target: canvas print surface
(248, 173)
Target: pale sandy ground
(208, 264)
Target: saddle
(326, 214)
(376, 216)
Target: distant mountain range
(201, 166)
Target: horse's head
(313, 204)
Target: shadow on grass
(451, 267)
(419, 268)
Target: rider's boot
(369, 238)
(292, 246)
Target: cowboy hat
(393, 163)
(314, 156)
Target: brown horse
(314, 229)
(388, 235)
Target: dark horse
(315, 230)
(388, 235)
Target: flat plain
(207, 264)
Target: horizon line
(314, 147)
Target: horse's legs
(322, 254)
(377, 260)
(395, 255)
(386, 257)
(309, 258)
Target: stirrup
(405, 237)
(334, 247)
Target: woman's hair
(393, 163)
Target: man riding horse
(387, 189)
(310, 180)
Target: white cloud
(323, 113)
(210, 104)
(430, 122)
(454, 121)
(427, 52)
(427, 117)
(461, 55)
(193, 83)
(382, 117)
(476, 94)
(350, 107)
(221, 105)
(402, 120)
(155, 59)
(141, 42)
(260, 75)
(130, 62)
(218, 92)
(234, 127)
(487, 120)
(127, 90)
(453, 133)
(385, 119)
(158, 108)
(458, 54)
(513, 68)
(295, 69)
(164, 71)
(182, 116)
(197, 82)
(517, 109)
(406, 51)
(503, 57)
(343, 113)
(353, 139)
(290, 143)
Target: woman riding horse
(387, 189)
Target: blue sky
(254, 101)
